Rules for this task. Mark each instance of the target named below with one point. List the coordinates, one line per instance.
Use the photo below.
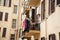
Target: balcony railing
(35, 27)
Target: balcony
(31, 3)
(35, 27)
(34, 2)
(33, 31)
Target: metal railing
(35, 27)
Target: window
(15, 8)
(52, 37)
(59, 35)
(0, 29)
(4, 2)
(19, 33)
(33, 15)
(12, 37)
(43, 38)
(1, 15)
(6, 17)
(58, 2)
(0, 2)
(14, 23)
(43, 10)
(4, 32)
(51, 6)
(7, 3)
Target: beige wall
(11, 15)
(53, 23)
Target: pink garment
(24, 24)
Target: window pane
(0, 2)
(43, 10)
(52, 37)
(4, 2)
(12, 37)
(43, 38)
(58, 2)
(33, 15)
(1, 15)
(4, 32)
(9, 3)
(6, 17)
(14, 23)
(51, 6)
(59, 36)
(0, 32)
(0, 28)
(15, 8)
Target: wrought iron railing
(35, 27)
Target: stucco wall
(53, 24)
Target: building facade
(50, 21)
(10, 19)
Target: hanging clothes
(27, 28)
(24, 24)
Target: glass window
(51, 6)
(12, 37)
(15, 8)
(7, 3)
(1, 15)
(6, 17)
(14, 23)
(58, 2)
(4, 2)
(52, 37)
(4, 32)
(43, 38)
(0, 2)
(43, 10)
(59, 35)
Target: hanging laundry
(24, 23)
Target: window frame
(1, 16)
(52, 36)
(6, 16)
(42, 38)
(59, 35)
(12, 36)
(57, 4)
(7, 3)
(51, 11)
(14, 23)
(43, 10)
(15, 9)
(4, 32)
